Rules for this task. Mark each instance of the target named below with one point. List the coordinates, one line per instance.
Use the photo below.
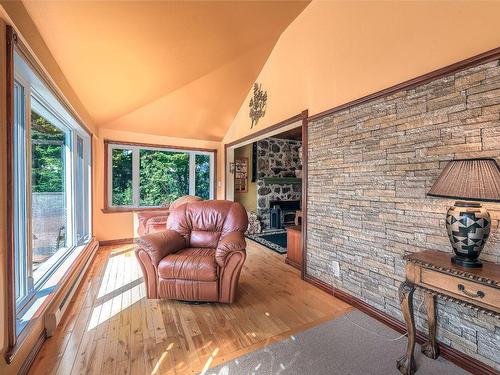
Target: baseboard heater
(55, 314)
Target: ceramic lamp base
(468, 225)
(466, 263)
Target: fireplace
(282, 213)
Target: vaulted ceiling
(179, 69)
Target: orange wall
(110, 226)
(14, 13)
(338, 51)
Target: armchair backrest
(205, 223)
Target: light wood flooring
(111, 328)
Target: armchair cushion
(233, 241)
(160, 244)
(189, 264)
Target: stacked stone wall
(369, 168)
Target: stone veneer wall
(276, 158)
(369, 170)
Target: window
(51, 186)
(148, 176)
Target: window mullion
(192, 174)
(212, 171)
(135, 177)
(29, 226)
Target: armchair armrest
(158, 245)
(232, 241)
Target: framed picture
(241, 175)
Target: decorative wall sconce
(258, 104)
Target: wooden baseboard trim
(25, 367)
(460, 359)
(119, 241)
(293, 264)
(318, 283)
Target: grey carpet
(339, 346)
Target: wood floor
(111, 328)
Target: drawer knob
(478, 294)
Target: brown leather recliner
(200, 255)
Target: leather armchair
(156, 221)
(199, 256)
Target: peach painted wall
(338, 51)
(14, 13)
(110, 226)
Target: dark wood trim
(269, 129)
(106, 187)
(425, 78)
(11, 293)
(107, 209)
(25, 367)
(462, 360)
(305, 178)
(119, 241)
(293, 264)
(301, 116)
(318, 284)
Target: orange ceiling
(179, 69)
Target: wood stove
(282, 213)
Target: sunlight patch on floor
(209, 361)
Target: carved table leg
(406, 364)
(430, 348)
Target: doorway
(266, 173)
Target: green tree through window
(122, 177)
(202, 176)
(47, 172)
(164, 176)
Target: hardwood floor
(111, 328)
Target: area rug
(275, 240)
(354, 344)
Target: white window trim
(55, 112)
(136, 171)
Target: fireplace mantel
(282, 180)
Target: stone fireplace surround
(276, 158)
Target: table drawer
(462, 288)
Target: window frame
(40, 99)
(31, 75)
(110, 145)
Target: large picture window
(51, 187)
(149, 176)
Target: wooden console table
(436, 275)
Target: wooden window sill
(58, 284)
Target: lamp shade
(469, 179)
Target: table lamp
(468, 223)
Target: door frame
(265, 133)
